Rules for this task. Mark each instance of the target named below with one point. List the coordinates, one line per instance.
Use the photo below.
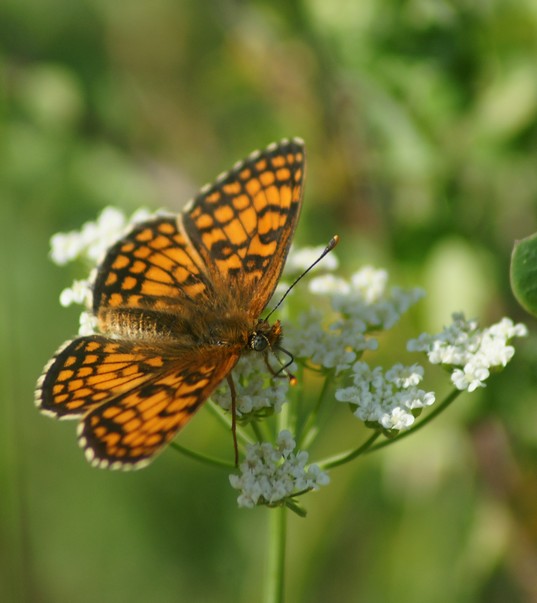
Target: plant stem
(274, 579)
(311, 427)
(224, 417)
(204, 458)
(345, 457)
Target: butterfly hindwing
(88, 371)
(132, 398)
(130, 429)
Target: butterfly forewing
(176, 301)
(242, 226)
(153, 266)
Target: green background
(420, 120)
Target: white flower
(65, 247)
(405, 376)
(390, 399)
(300, 259)
(90, 240)
(99, 236)
(256, 388)
(398, 419)
(472, 352)
(78, 293)
(87, 324)
(332, 346)
(329, 284)
(270, 474)
(360, 305)
(94, 239)
(370, 284)
(367, 298)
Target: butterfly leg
(233, 391)
(283, 368)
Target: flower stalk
(275, 569)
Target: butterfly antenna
(331, 244)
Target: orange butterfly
(178, 301)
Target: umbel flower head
(328, 341)
(470, 353)
(389, 400)
(271, 474)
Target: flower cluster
(270, 474)
(94, 239)
(359, 306)
(388, 400)
(258, 393)
(368, 298)
(472, 352)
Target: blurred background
(420, 119)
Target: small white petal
(328, 283)
(301, 259)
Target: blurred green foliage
(420, 119)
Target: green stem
(224, 417)
(296, 399)
(345, 457)
(283, 419)
(260, 431)
(274, 585)
(204, 458)
(311, 428)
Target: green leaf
(524, 273)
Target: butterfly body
(178, 301)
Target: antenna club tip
(333, 242)
(292, 380)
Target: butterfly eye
(258, 342)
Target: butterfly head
(265, 336)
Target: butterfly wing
(234, 237)
(153, 269)
(242, 226)
(132, 398)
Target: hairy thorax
(192, 329)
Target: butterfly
(178, 300)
